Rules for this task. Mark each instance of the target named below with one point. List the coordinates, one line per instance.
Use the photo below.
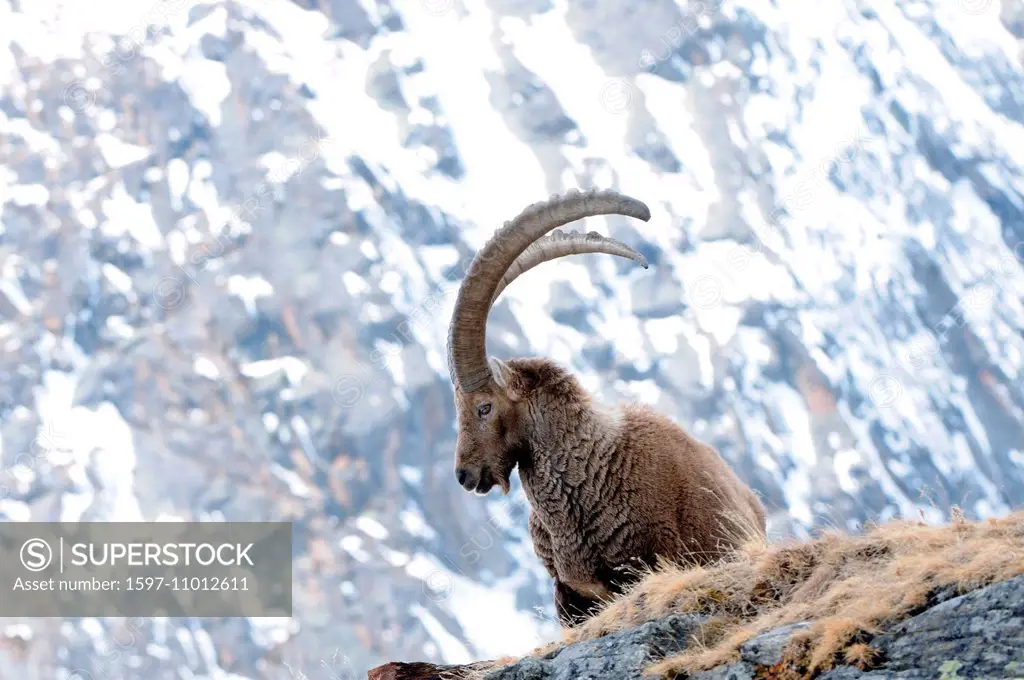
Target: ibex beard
(613, 492)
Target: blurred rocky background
(231, 232)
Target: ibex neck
(563, 447)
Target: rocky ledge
(977, 635)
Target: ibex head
(491, 396)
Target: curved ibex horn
(560, 244)
(467, 355)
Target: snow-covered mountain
(231, 232)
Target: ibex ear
(502, 375)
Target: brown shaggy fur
(614, 492)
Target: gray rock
(766, 649)
(977, 635)
(732, 671)
(619, 655)
(763, 650)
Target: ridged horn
(560, 244)
(467, 334)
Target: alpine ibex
(611, 490)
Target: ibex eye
(483, 409)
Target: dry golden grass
(848, 587)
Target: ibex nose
(468, 478)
